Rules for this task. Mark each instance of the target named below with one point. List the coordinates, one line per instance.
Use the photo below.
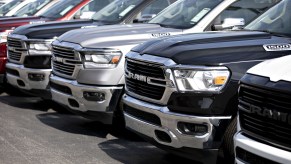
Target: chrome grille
(15, 49)
(14, 55)
(143, 88)
(63, 68)
(65, 61)
(63, 52)
(14, 43)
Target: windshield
(9, 6)
(275, 20)
(116, 10)
(185, 13)
(60, 9)
(31, 8)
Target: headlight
(210, 80)
(101, 58)
(40, 48)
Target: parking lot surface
(32, 132)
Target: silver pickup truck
(88, 64)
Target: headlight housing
(39, 48)
(101, 58)
(206, 79)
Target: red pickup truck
(63, 10)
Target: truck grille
(15, 51)
(63, 52)
(61, 67)
(14, 55)
(143, 88)
(14, 43)
(272, 128)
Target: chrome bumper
(23, 76)
(260, 149)
(77, 95)
(169, 122)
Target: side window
(91, 8)
(152, 10)
(242, 12)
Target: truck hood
(275, 69)
(116, 35)
(11, 22)
(213, 48)
(53, 29)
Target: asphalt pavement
(31, 131)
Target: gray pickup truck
(88, 64)
(29, 65)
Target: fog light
(94, 96)
(36, 77)
(192, 129)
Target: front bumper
(169, 125)
(261, 150)
(21, 80)
(83, 107)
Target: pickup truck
(264, 101)
(264, 121)
(88, 64)
(62, 10)
(181, 92)
(34, 68)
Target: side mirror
(87, 15)
(229, 23)
(144, 18)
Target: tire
(118, 121)
(228, 143)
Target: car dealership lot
(31, 132)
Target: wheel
(228, 144)
(118, 121)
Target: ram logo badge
(137, 77)
(277, 47)
(266, 112)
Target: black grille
(148, 117)
(146, 69)
(275, 130)
(248, 157)
(61, 88)
(38, 62)
(143, 88)
(14, 43)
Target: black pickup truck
(29, 55)
(181, 92)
